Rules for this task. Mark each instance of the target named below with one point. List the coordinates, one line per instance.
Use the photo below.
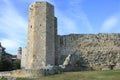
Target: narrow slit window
(31, 26)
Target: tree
(5, 65)
(16, 64)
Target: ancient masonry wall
(23, 59)
(41, 36)
(96, 51)
(44, 46)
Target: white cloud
(70, 25)
(109, 23)
(13, 26)
(9, 44)
(79, 14)
(71, 20)
(66, 24)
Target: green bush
(5, 65)
(3, 78)
(16, 64)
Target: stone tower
(41, 36)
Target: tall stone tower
(41, 36)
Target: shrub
(5, 65)
(16, 64)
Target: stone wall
(50, 35)
(44, 47)
(22, 73)
(23, 58)
(96, 51)
(32, 73)
(41, 36)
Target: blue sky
(74, 16)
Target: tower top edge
(40, 2)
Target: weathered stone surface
(23, 58)
(41, 36)
(72, 62)
(32, 73)
(22, 73)
(96, 51)
(50, 70)
(19, 54)
(84, 51)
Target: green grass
(82, 75)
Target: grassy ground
(83, 75)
